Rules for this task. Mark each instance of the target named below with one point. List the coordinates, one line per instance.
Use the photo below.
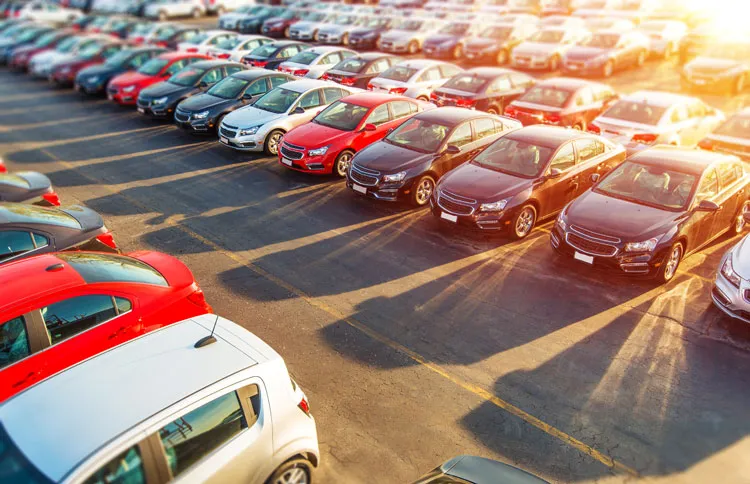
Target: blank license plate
(141, 110)
(359, 188)
(588, 259)
(223, 140)
(448, 217)
(286, 161)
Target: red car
(64, 74)
(19, 60)
(59, 309)
(327, 143)
(124, 89)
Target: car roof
(450, 115)
(252, 74)
(549, 136)
(368, 56)
(141, 378)
(208, 64)
(304, 85)
(219, 32)
(657, 98)
(370, 99)
(420, 63)
(26, 278)
(325, 49)
(568, 83)
(285, 43)
(681, 159)
(490, 72)
(176, 55)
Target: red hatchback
(59, 309)
(327, 143)
(124, 88)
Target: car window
(588, 148)
(188, 35)
(377, 67)
(176, 67)
(709, 186)
(432, 74)
(499, 127)
(278, 80)
(728, 174)
(257, 87)
(196, 434)
(501, 84)
(288, 52)
(14, 342)
(679, 114)
(212, 76)
(98, 267)
(401, 108)
(484, 127)
(379, 115)
(311, 100)
(519, 80)
(232, 69)
(461, 136)
(334, 94)
(448, 70)
(332, 58)
(14, 243)
(109, 52)
(137, 61)
(126, 468)
(584, 97)
(564, 159)
(72, 316)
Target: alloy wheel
(273, 143)
(502, 57)
(424, 191)
(672, 262)
(342, 163)
(294, 475)
(739, 223)
(608, 69)
(525, 222)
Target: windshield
(419, 135)
(28, 35)
(228, 88)
(345, 19)
(351, 64)
(515, 157)
(341, 115)
(603, 41)
(120, 58)
(547, 96)
(166, 33)
(399, 73)
(455, 29)
(264, 50)
(153, 67)
(67, 45)
(735, 51)
(649, 185)
(305, 57)
(187, 77)
(497, 33)
(376, 22)
(466, 82)
(230, 43)
(46, 39)
(277, 100)
(142, 29)
(636, 112)
(548, 36)
(89, 51)
(198, 38)
(14, 466)
(736, 126)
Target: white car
(563, 21)
(166, 9)
(43, 11)
(261, 126)
(314, 62)
(204, 41)
(308, 26)
(408, 36)
(235, 48)
(337, 31)
(162, 405)
(223, 6)
(646, 118)
(414, 78)
(546, 48)
(609, 24)
(41, 64)
(230, 21)
(665, 36)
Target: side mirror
(166, 75)
(707, 206)
(453, 150)
(202, 85)
(390, 130)
(370, 127)
(247, 96)
(298, 110)
(595, 177)
(554, 173)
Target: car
(562, 101)
(160, 100)
(670, 202)
(220, 7)
(523, 177)
(23, 38)
(414, 78)
(272, 54)
(359, 70)
(204, 41)
(167, 9)
(24, 186)
(545, 49)
(595, 8)
(48, 12)
(636, 11)
(94, 79)
(64, 73)
(235, 48)
(724, 66)
(410, 160)
(228, 412)
(469, 469)
(314, 62)
(495, 43)
(728, 292)
(40, 64)
(230, 20)
(562, 22)
(31, 230)
(308, 26)
(408, 35)
(21, 56)
(203, 112)
(3, 168)
(732, 136)
(691, 14)
(606, 52)
(447, 42)
(124, 27)
(252, 23)
(487, 89)
(646, 118)
(611, 24)
(261, 126)
(664, 36)
(82, 22)
(328, 142)
(172, 36)
(367, 35)
(278, 26)
(337, 30)
(146, 32)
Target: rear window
(31, 214)
(399, 73)
(112, 268)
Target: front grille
(363, 176)
(595, 235)
(386, 45)
(292, 155)
(588, 246)
(181, 116)
(143, 103)
(455, 204)
(227, 132)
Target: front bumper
(160, 111)
(479, 56)
(528, 62)
(40, 71)
(86, 87)
(582, 68)
(229, 138)
(391, 46)
(330, 37)
(389, 192)
(363, 42)
(729, 299)
(455, 216)
(275, 32)
(438, 51)
(122, 98)
(297, 35)
(295, 158)
(186, 122)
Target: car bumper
(438, 52)
(368, 43)
(294, 35)
(40, 72)
(62, 79)
(391, 192)
(329, 38)
(317, 165)
(477, 57)
(273, 32)
(90, 88)
(244, 143)
(122, 98)
(729, 299)
(196, 125)
(477, 221)
(394, 46)
(530, 63)
(163, 111)
(707, 83)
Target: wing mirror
(202, 85)
(370, 127)
(595, 177)
(707, 206)
(248, 96)
(452, 150)
(298, 110)
(554, 173)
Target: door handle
(25, 379)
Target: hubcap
(343, 164)
(424, 191)
(674, 260)
(293, 476)
(502, 57)
(608, 70)
(740, 224)
(525, 222)
(273, 143)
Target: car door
(702, 223)
(591, 158)
(381, 118)
(16, 243)
(731, 194)
(558, 189)
(312, 102)
(429, 80)
(462, 137)
(211, 77)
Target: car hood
(454, 92)
(60, 58)
(635, 222)
(128, 78)
(314, 135)
(231, 17)
(36, 180)
(476, 182)
(395, 35)
(364, 31)
(249, 116)
(536, 48)
(441, 38)
(741, 258)
(711, 65)
(479, 43)
(165, 89)
(582, 53)
(335, 29)
(387, 158)
(204, 101)
(306, 25)
(88, 219)
(100, 70)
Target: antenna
(207, 340)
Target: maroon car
(562, 101)
(279, 26)
(95, 53)
(20, 58)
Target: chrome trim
(361, 172)
(294, 147)
(567, 240)
(595, 236)
(445, 194)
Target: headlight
(202, 115)
(645, 246)
(494, 206)
(397, 177)
(128, 89)
(561, 222)
(319, 152)
(161, 100)
(728, 272)
(94, 79)
(248, 131)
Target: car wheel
(218, 122)
(523, 222)
(739, 84)
(345, 39)
(423, 98)
(458, 51)
(493, 110)
(294, 471)
(422, 191)
(502, 57)
(669, 267)
(739, 220)
(273, 140)
(163, 16)
(641, 59)
(608, 69)
(554, 63)
(197, 13)
(413, 47)
(341, 165)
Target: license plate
(224, 140)
(286, 161)
(573, 68)
(448, 217)
(588, 259)
(141, 110)
(359, 188)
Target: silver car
(166, 9)
(408, 35)
(261, 126)
(415, 78)
(236, 48)
(337, 31)
(733, 278)
(307, 28)
(546, 48)
(314, 62)
(665, 36)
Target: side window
(196, 434)
(232, 69)
(136, 61)
(75, 315)
(448, 70)
(461, 135)
(250, 44)
(257, 87)
(333, 58)
(432, 74)
(211, 76)
(14, 342)
(40, 240)
(520, 80)
(126, 468)
(176, 67)
(379, 115)
(484, 127)
(708, 187)
(311, 100)
(380, 66)
(188, 35)
(288, 52)
(679, 114)
(401, 109)
(14, 243)
(584, 97)
(499, 127)
(501, 84)
(278, 80)
(565, 158)
(727, 174)
(588, 148)
(333, 94)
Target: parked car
(314, 62)
(40, 64)
(337, 30)
(562, 101)
(204, 41)
(64, 73)
(606, 52)
(327, 144)
(279, 25)
(271, 55)
(220, 7)
(170, 38)
(732, 279)
(235, 48)
(409, 161)
(526, 176)
(19, 59)
(670, 202)
(230, 20)
(30, 230)
(562, 22)
(488, 89)
(23, 38)
(546, 48)
(94, 79)
(160, 100)
(25, 186)
(359, 70)
(251, 23)
(610, 24)
(469, 469)
(367, 35)
(732, 136)
(125, 88)
(147, 32)
(409, 35)
(48, 12)
(414, 78)
(495, 43)
(664, 36)
(167, 9)
(447, 42)
(646, 118)
(228, 412)
(725, 66)
(203, 113)
(308, 26)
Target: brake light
(397, 90)
(300, 72)
(370, 87)
(705, 144)
(592, 128)
(107, 239)
(50, 198)
(646, 138)
(161, 43)
(465, 103)
(552, 118)
(199, 299)
(325, 77)
(347, 81)
(259, 63)
(3, 169)
(223, 56)
(304, 406)
(192, 50)
(511, 111)
(433, 96)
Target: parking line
(416, 357)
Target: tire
(163, 17)
(413, 47)
(523, 223)
(197, 13)
(289, 471)
(271, 146)
(641, 59)
(608, 69)
(502, 57)
(739, 84)
(423, 98)
(458, 51)
(580, 126)
(669, 267)
(738, 224)
(554, 63)
(493, 110)
(341, 165)
(218, 122)
(422, 191)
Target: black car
(723, 67)
(408, 162)
(94, 79)
(357, 71)
(523, 177)
(732, 136)
(495, 43)
(160, 100)
(368, 35)
(25, 36)
(171, 37)
(203, 113)
(448, 41)
(252, 23)
(657, 207)
(484, 88)
(271, 55)
(25, 186)
(469, 469)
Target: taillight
(325, 77)
(511, 111)
(259, 63)
(3, 169)
(347, 81)
(552, 118)
(50, 197)
(192, 50)
(304, 406)
(398, 90)
(704, 144)
(646, 138)
(199, 299)
(223, 56)
(107, 239)
(370, 87)
(161, 43)
(433, 96)
(300, 72)
(592, 128)
(465, 103)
